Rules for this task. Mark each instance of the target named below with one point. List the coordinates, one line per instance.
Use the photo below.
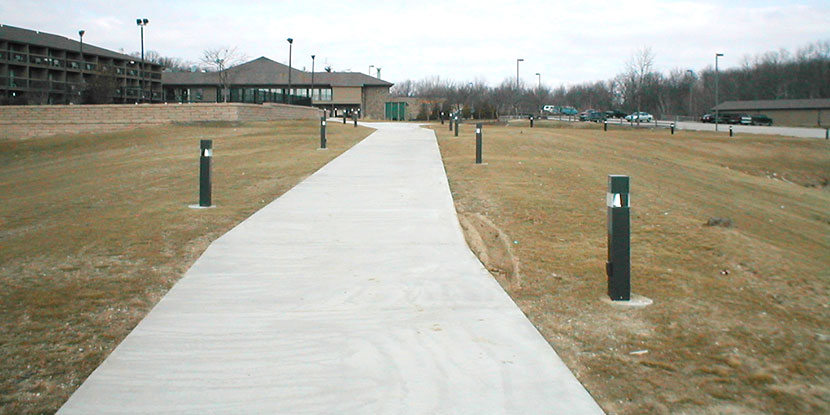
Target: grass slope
(95, 229)
(740, 317)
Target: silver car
(639, 117)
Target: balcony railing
(37, 84)
(11, 82)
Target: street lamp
(517, 71)
(691, 85)
(81, 34)
(717, 55)
(290, 49)
(539, 86)
(141, 23)
(312, 80)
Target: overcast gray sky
(568, 42)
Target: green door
(396, 111)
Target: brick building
(42, 68)
(264, 80)
(790, 112)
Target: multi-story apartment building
(42, 68)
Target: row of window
(320, 94)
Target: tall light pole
(691, 85)
(539, 85)
(517, 71)
(81, 89)
(312, 80)
(141, 23)
(717, 55)
(290, 46)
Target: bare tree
(637, 69)
(403, 89)
(220, 60)
(101, 87)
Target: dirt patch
(493, 248)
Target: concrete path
(353, 293)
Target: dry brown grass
(95, 229)
(740, 317)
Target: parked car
(591, 115)
(731, 118)
(639, 117)
(761, 119)
(722, 118)
(569, 111)
(615, 114)
(550, 109)
(746, 119)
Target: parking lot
(754, 129)
(802, 132)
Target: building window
(322, 94)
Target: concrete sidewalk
(353, 293)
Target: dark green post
(531, 121)
(206, 153)
(730, 131)
(605, 125)
(618, 267)
(322, 132)
(354, 117)
(672, 128)
(450, 120)
(442, 117)
(478, 143)
(456, 126)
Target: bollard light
(618, 267)
(442, 117)
(730, 131)
(478, 143)
(531, 121)
(456, 126)
(354, 117)
(205, 156)
(605, 125)
(323, 133)
(450, 122)
(672, 128)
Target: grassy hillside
(740, 317)
(95, 229)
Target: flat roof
(33, 37)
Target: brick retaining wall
(24, 121)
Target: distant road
(754, 129)
(699, 126)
